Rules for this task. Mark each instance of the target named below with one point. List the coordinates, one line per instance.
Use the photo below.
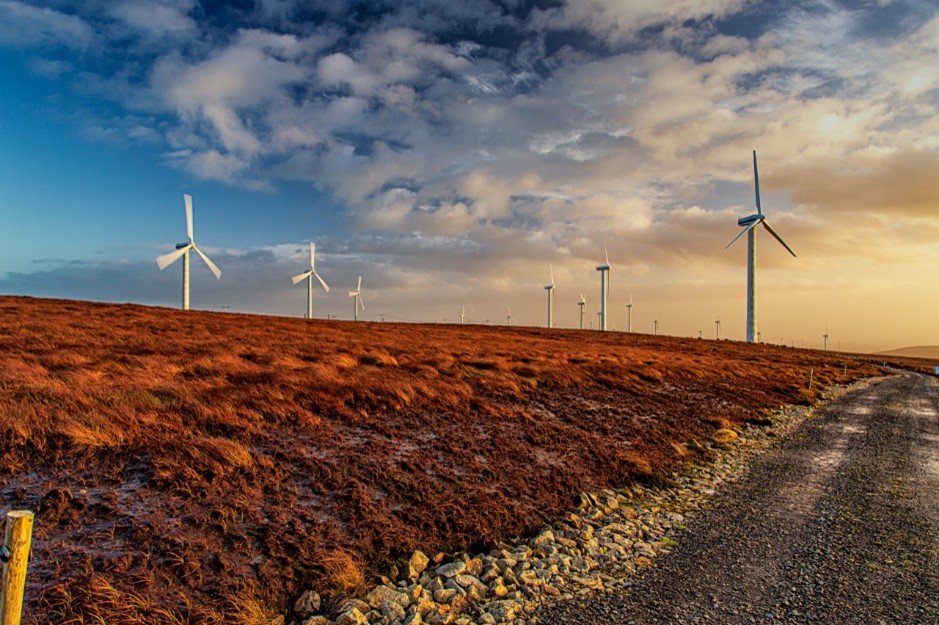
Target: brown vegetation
(207, 468)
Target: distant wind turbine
(509, 318)
(655, 327)
(717, 329)
(583, 304)
(308, 276)
(462, 314)
(550, 289)
(825, 338)
(358, 303)
(604, 270)
(182, 250)
(749, 224)
(629, 313)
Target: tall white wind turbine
(358, 303)
(462, 314)
(629, 313)
(182, 251)
(509, 317)
(604, 270)
(550, 289)
(749, 224)
(308, 276)
(583, 305)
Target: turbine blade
(300, 277)
(551, 267)
(361, 303)
(630, 298)
(778, 238)
(583, 299)
(756, 185)
(187, 200)
(323, 282)
(313, 256)
(359, 288)
(168, 259)
(742, 232)
(215, 270)
(606, 255)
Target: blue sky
(450, 152)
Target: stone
(451, 569)
(503, 610)
(352, 617)
(444, 595)
(392, 610)
(317, 620)
(416, 564)
(308, 603)
(414, 619)
(724, 436)
(546, 536)
(383, 593)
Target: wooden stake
(810, 388)
(19, 538)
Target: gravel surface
(839, 523)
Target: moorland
(207, 467)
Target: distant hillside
(920, 351)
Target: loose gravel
(837, 524)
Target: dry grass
(200, 467)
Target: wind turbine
(357, 294)
(509, 318)
(749, 224)
(550, 289)
(583, 304)
(604, 270)
(629, 313)
(182, 250)
(825, 337)
(462, 314)
(655, 327)
(308, 276)
(717, 329)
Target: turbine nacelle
(749, 220)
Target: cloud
(168, 18)
(22, 25)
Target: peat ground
(208, 467)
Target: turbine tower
(655, 327)
(308, 276)
(717, 329)
(749, 224)
(462, 314)
(182, 250)
(825, 338)
(357, 303)
(583, 304)
(509, 318)
(550, 289)
(604, 270)
(629, 313)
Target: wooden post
(810, 388)
(19, 537)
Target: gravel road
(839, 523)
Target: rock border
(596, 548)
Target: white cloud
(167, 18)
(23, 25)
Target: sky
(454, 153)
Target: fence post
(19, 537)
(810, 388)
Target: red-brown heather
(208, 467)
